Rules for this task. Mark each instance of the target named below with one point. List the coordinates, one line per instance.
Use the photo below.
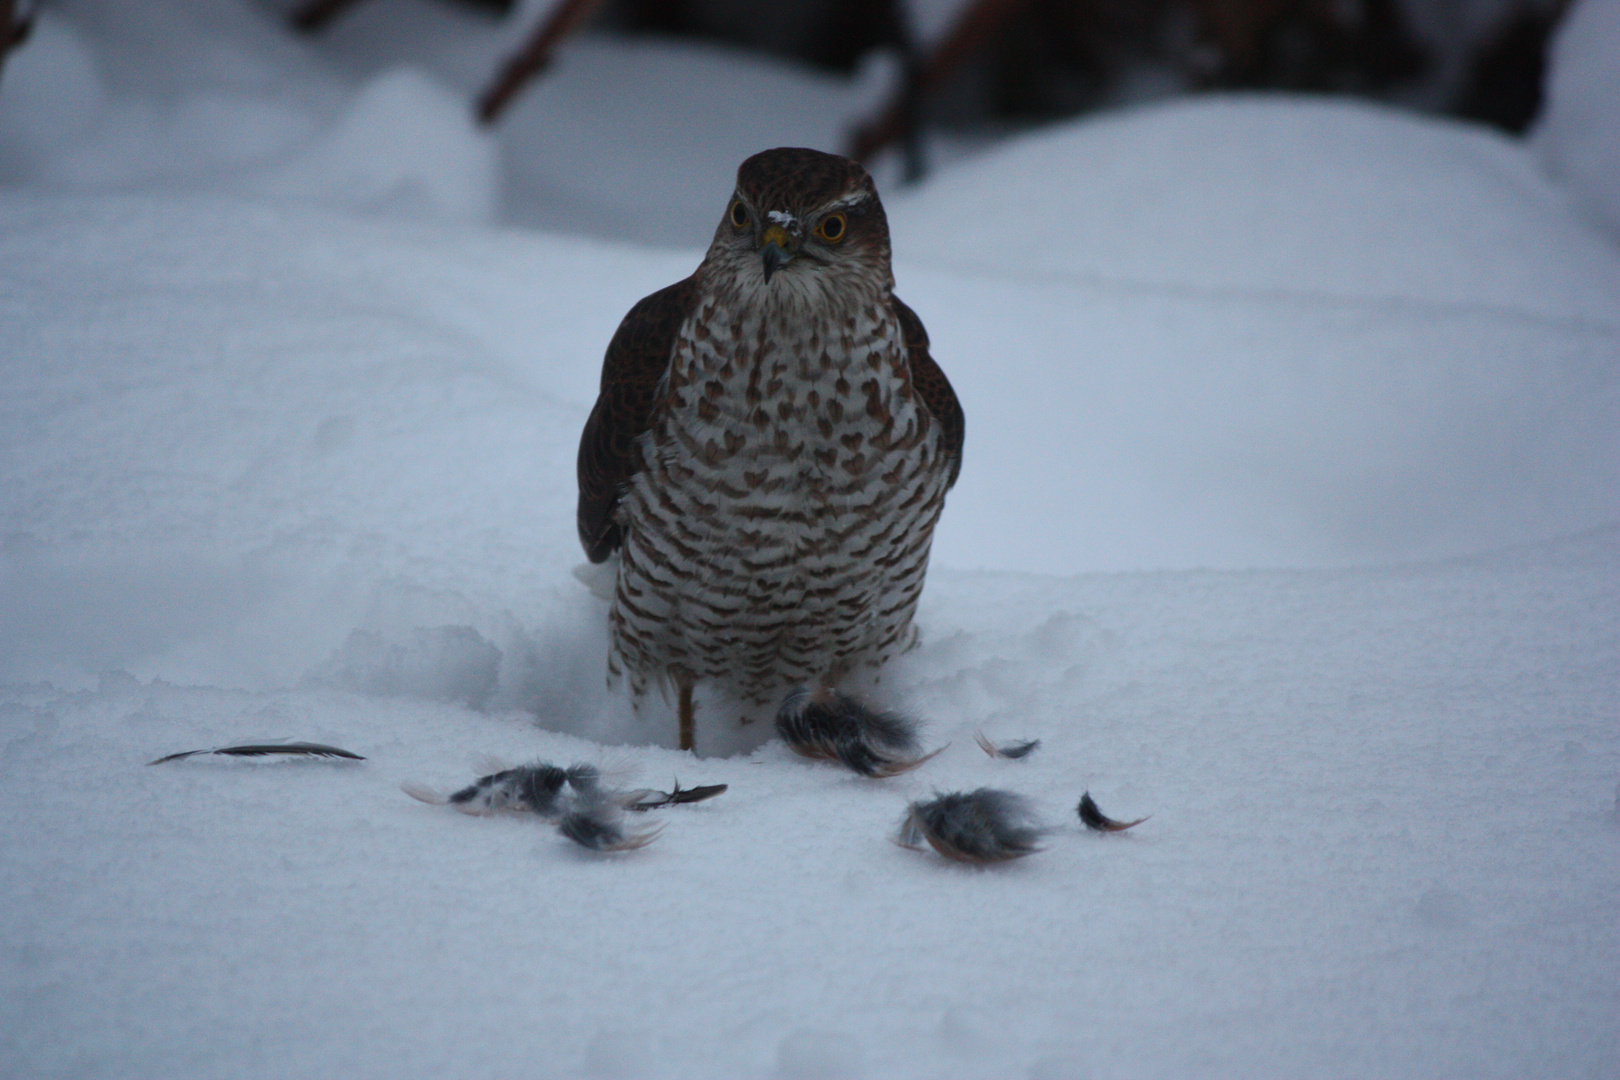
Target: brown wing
(637, 359)
(932, 386)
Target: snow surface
(1288, 517)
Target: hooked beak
(776, 249)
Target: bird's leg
(683, 709)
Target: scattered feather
(983, 826)
(293, 749)
(583, 777)
(1012, 750)
(423, 793)
(592, 832)
(1096, 819)
(585, 811)
(649, 799)
(599, 828)
(526, 789)
(833, 726)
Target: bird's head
(803, 212)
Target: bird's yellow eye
(831, 228)
(739, 215)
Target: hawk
(768, 456)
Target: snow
(1287, 518)
(1351, 335)
(1382, 844)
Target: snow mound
(406, 147)
(161, 96)
(443, 663)
(1274, 196)
(1304, 331)
(402, 145)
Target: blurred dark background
(999, 64)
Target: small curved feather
(423, 793)
(981, 827)
(1095, 819)
(294, 749)
(1012, 750)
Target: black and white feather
(585, 811)
(983, 826)
(643, 799)
(534, 789)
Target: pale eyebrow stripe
(841, 203)
(850, 200)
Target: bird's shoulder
(640, 350)
(929, 383)
(632, 372)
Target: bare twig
(977, 23)
(14, 27)
(533, 57)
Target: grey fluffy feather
(983, 826)
(834, 726)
